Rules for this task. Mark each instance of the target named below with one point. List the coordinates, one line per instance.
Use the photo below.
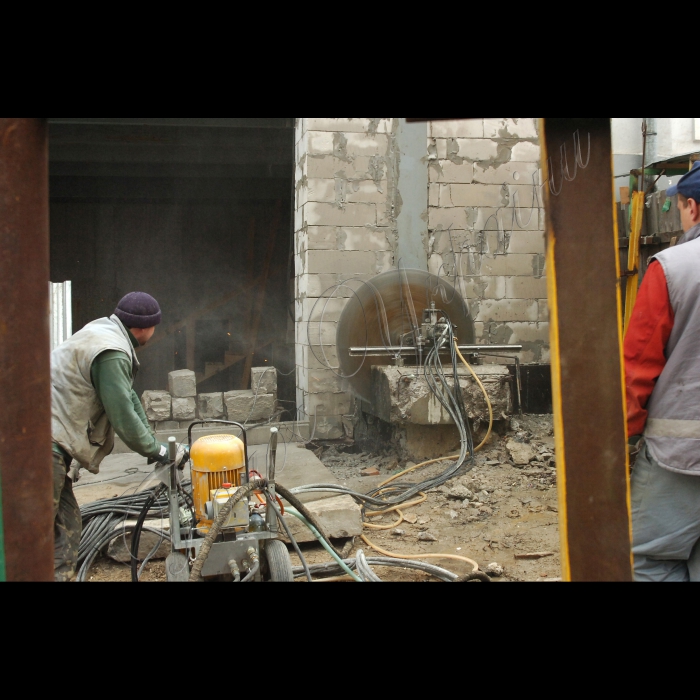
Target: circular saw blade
(384, 311)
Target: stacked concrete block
(182, 384)
(157, 405)
(263, 380)
(210, 406)
(184, 409)
(247, 407)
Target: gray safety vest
(673, 424)
(79, 423)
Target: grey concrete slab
(129, 473)
(256, 435)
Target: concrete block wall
(482, 224)
(486, 225)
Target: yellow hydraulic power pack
(218, 465)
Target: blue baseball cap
(688, 185)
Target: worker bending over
(662, 360)
(92, 376)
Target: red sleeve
(645, 345)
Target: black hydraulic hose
(271, 503)
(296, 503)
(136, 535)
(476, 576)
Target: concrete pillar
(25, 409)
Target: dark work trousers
(67, 524)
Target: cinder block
(328, 309)
(319, 358)
(210, 406)
(362, 238)
(263, 380)
(325, 381)
(448, 172)
(328, 167)
(526, 288)
(167, 425)
(182, 383)
(459, 128)
(319, 143)
(366, 145)
(508, 265)
(185, 409)
(328, 428)
(477, 149)
(342, 262)
(527, 242)
(445, 218)
(157, 405)
(245, 407)
(328, 405)
(523, 128)
(477, 196)
(352, 214)
(512, 173)
(507, 310)
(526, 152)
(364, 126)
(319, 190)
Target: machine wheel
(279, 564)
(177, 569)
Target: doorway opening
(195, 212)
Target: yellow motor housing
(216, 460)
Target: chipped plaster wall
(348, 217)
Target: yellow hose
(418, 557)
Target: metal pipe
(380, 351)
(25, 382)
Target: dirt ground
(494, 514)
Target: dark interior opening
(196, 212)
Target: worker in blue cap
(662, 365)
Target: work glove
(74, 474)
(183, 455)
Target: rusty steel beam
(583, 272)
(25, 405)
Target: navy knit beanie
(138, 310)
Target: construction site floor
(513, 524)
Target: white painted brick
(506, 310)
(353, 214)
(526, 288)
(523, 128)
(459, 128)
(319, 143)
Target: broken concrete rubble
(263, 380)
(246, 407)
(521, 453)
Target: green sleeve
(111, 377)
